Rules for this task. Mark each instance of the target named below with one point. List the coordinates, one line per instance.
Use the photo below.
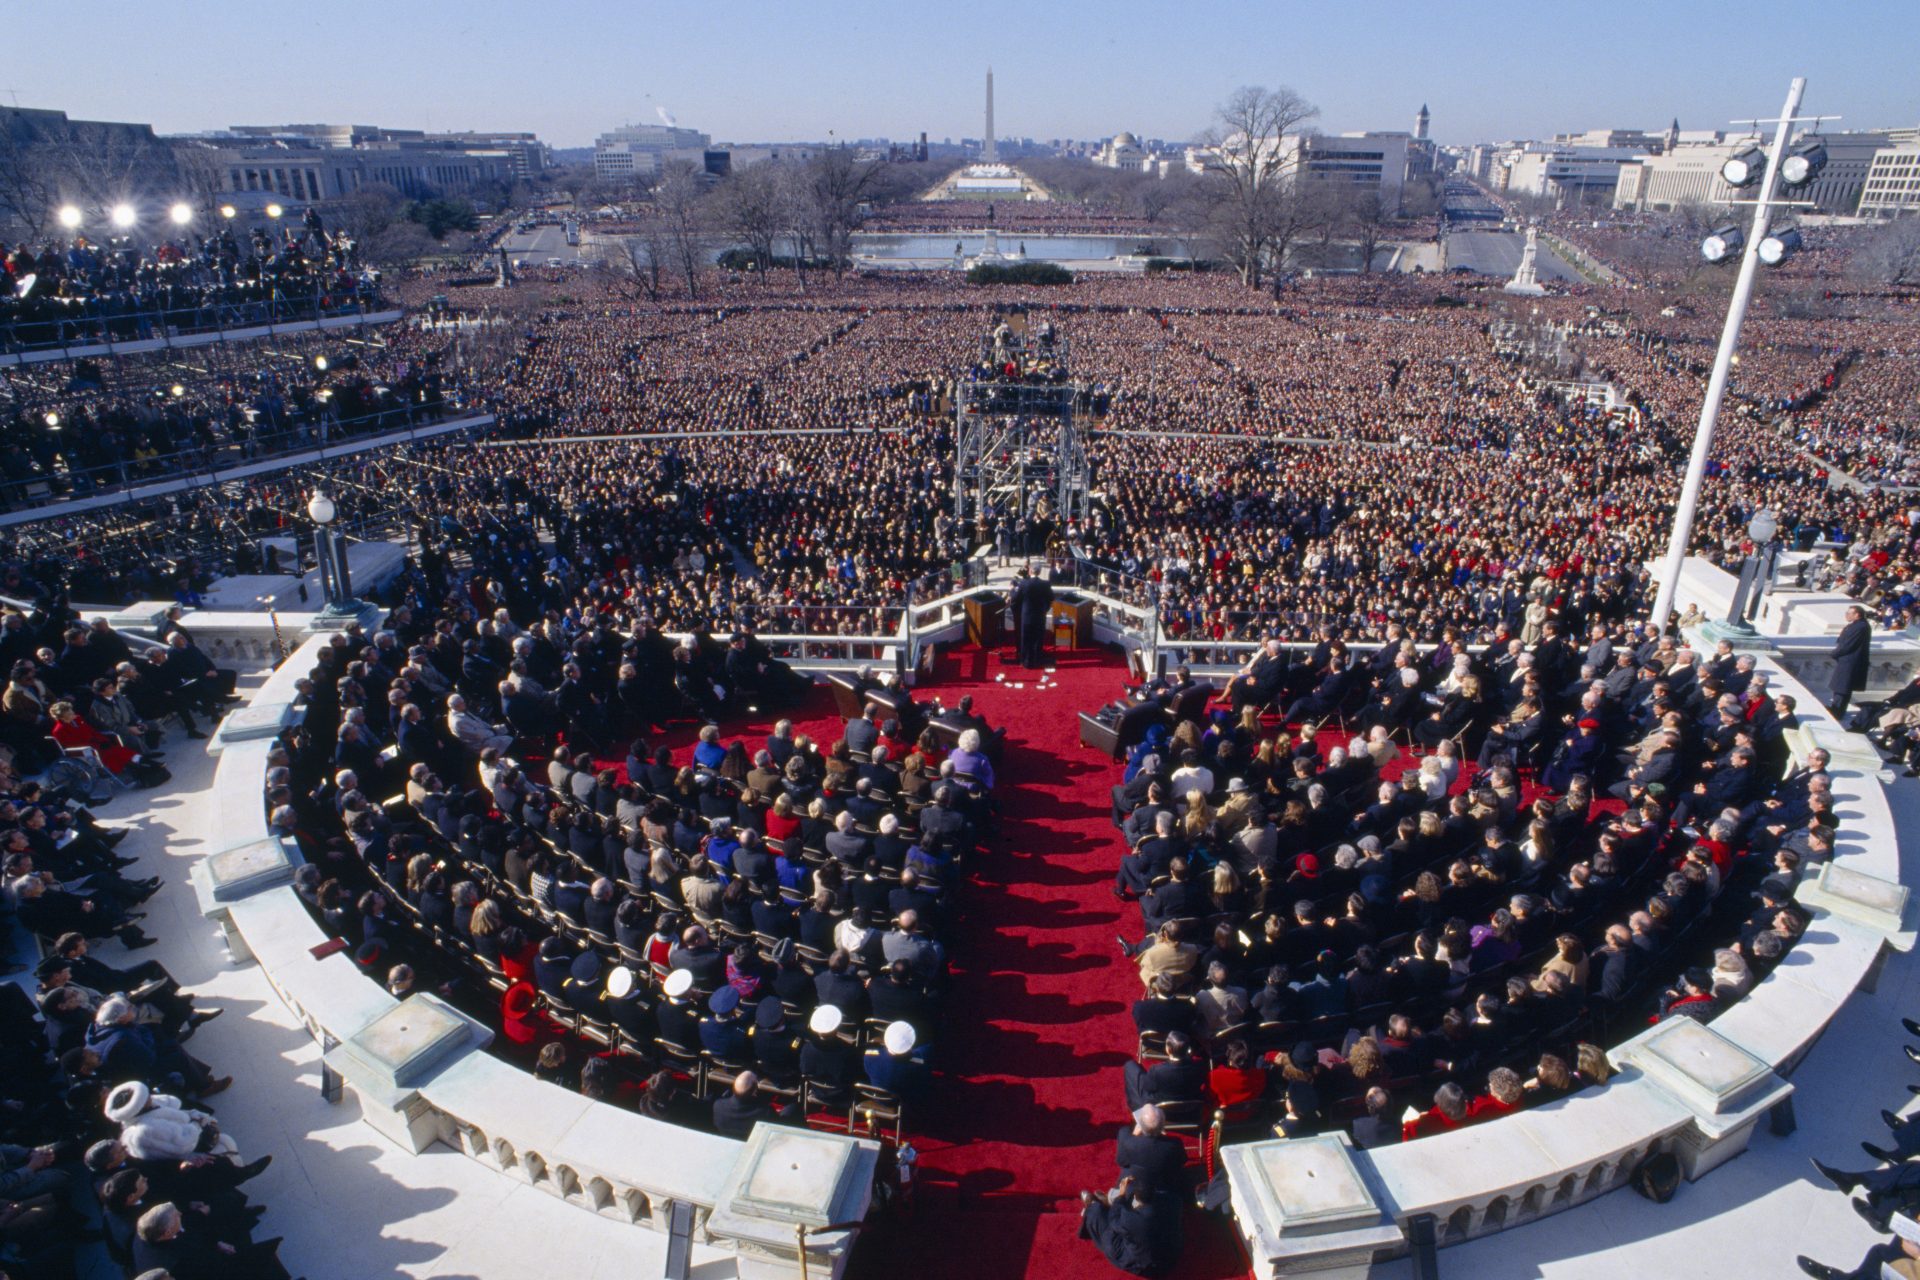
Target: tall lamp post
(329, 549)
(1740, 171)
(1755, 572)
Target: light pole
(1755, 571)
(329, 550)
(1739, 171)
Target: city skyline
(777, 75)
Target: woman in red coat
(71, 732)
(523, 1025)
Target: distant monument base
(1526, 279)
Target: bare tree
(747, 205)
(799, 216)
(28, 184)
(200, 182)
(1323, 214)
(680, 205)
(1251, 167)
(1366, 216)
(634, 260)
(840, 184)
(1891, 254)
(368, 211)
(396, 244)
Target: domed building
(1121, 151)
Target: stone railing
(420, 1072)
(1699, 1092)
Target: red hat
(519, 1000)
(1589, 724)
(1307, 864)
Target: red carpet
(1028, 1099)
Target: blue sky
(751, 70)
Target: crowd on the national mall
(1460, 821)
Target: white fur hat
(127, 1101)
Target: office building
(1566, 174)
(298, 169)
(639, 150)
(1892, 186)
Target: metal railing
(57, 323)
(295, 433)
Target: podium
(1072, 624)
(986, 620)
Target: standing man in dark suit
(1849, 661)
(1032, 605)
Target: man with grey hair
(846, 845)
(1147, 1153)
(472, 733)
(1259, 682)
(1150, 860)
(167, 1243)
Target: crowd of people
(106, 423)
(1396, 892)
(107, 1139)
(79, 289)
(1352, 453)
(747, 931)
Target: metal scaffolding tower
(1019, 449)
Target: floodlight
(320, 363)
(123, 215)
(53, 420)
(1804, 163)
(181, 213)
(178, 391)
(1780, 246)
(1724, 243)
(274, 211)
(227, 211)
(69, 216)
(1744, 167)
(320, 508)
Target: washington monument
(991, 154)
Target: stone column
(786, 1179)
(1727, 1088)
(221, 879)
(387, 1061)
(1304, 1208)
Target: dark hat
(1699, 979)
(51, 965)
(1303, 1056)
(724, 1001)
(371, 952)
(769, 1014)
(782, 951)
(1304, 1098)
(587, 968)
